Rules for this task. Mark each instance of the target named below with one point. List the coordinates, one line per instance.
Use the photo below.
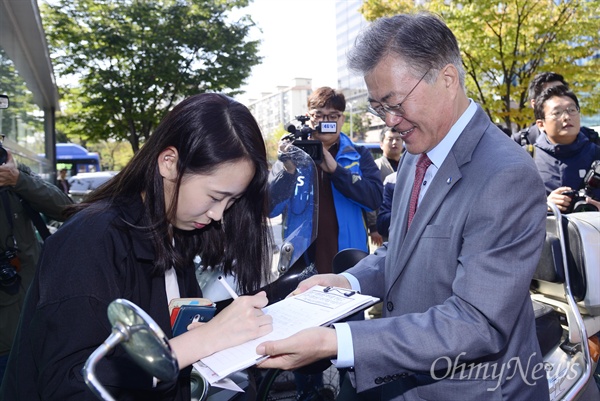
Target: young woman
(197, 187)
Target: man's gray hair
(421, 40)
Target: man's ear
(540, 124)
(167, 163)
(450, 76)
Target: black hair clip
(341, 291)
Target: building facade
(27, 78)
(281, 107)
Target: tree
(22, 109)
(360, 123)
(128, 62)
(505, 44)
(113, 155)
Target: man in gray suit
(458, 323)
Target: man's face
(427, 112)
(330, 115)
(391, 145)
(561, 120)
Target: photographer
(19, 245)
(563, 155)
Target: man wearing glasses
(466, 233)
(349, 185)
(563, 154)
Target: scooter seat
(547, 327)
(581, 234)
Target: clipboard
(318, 306)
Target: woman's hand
(243, 320)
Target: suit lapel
(402, 243)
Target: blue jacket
(356, 186)
(565, 165)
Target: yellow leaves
(504, 44)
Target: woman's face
(204, 198)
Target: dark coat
(94, 258)
(565, 165)
(44, 198)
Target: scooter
(295, 193)
(565, 291)
(148, 345)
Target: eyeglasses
(395, 110)
(325, 117)
(571, 111)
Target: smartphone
(191, 313)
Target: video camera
(300, 134)
(3, 153)
(591, 180)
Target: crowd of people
(454, 261)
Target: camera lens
(8, 275)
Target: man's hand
(561, 201)
(326, 280)
(376, 238)
(328, 164)
(283, 149)
(592, 202)
(9, 173)
(301, 349)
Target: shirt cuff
(354, 284)
(345, 354)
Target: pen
(227, 287)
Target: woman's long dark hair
(207, 130)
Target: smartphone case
(191, 313)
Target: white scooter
(566, 294)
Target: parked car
(373, 147)
(84, 183)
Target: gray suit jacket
(458, 321)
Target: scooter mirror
(143, 340)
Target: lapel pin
(449, 180)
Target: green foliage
(22, 107)
(505, 44)
(113, 155)
(272, 143)
(359, 121)
(128, 62)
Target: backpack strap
(36, 218)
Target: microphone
(291, 129)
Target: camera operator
(563, 155)
(19, 244)
(349, 183)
